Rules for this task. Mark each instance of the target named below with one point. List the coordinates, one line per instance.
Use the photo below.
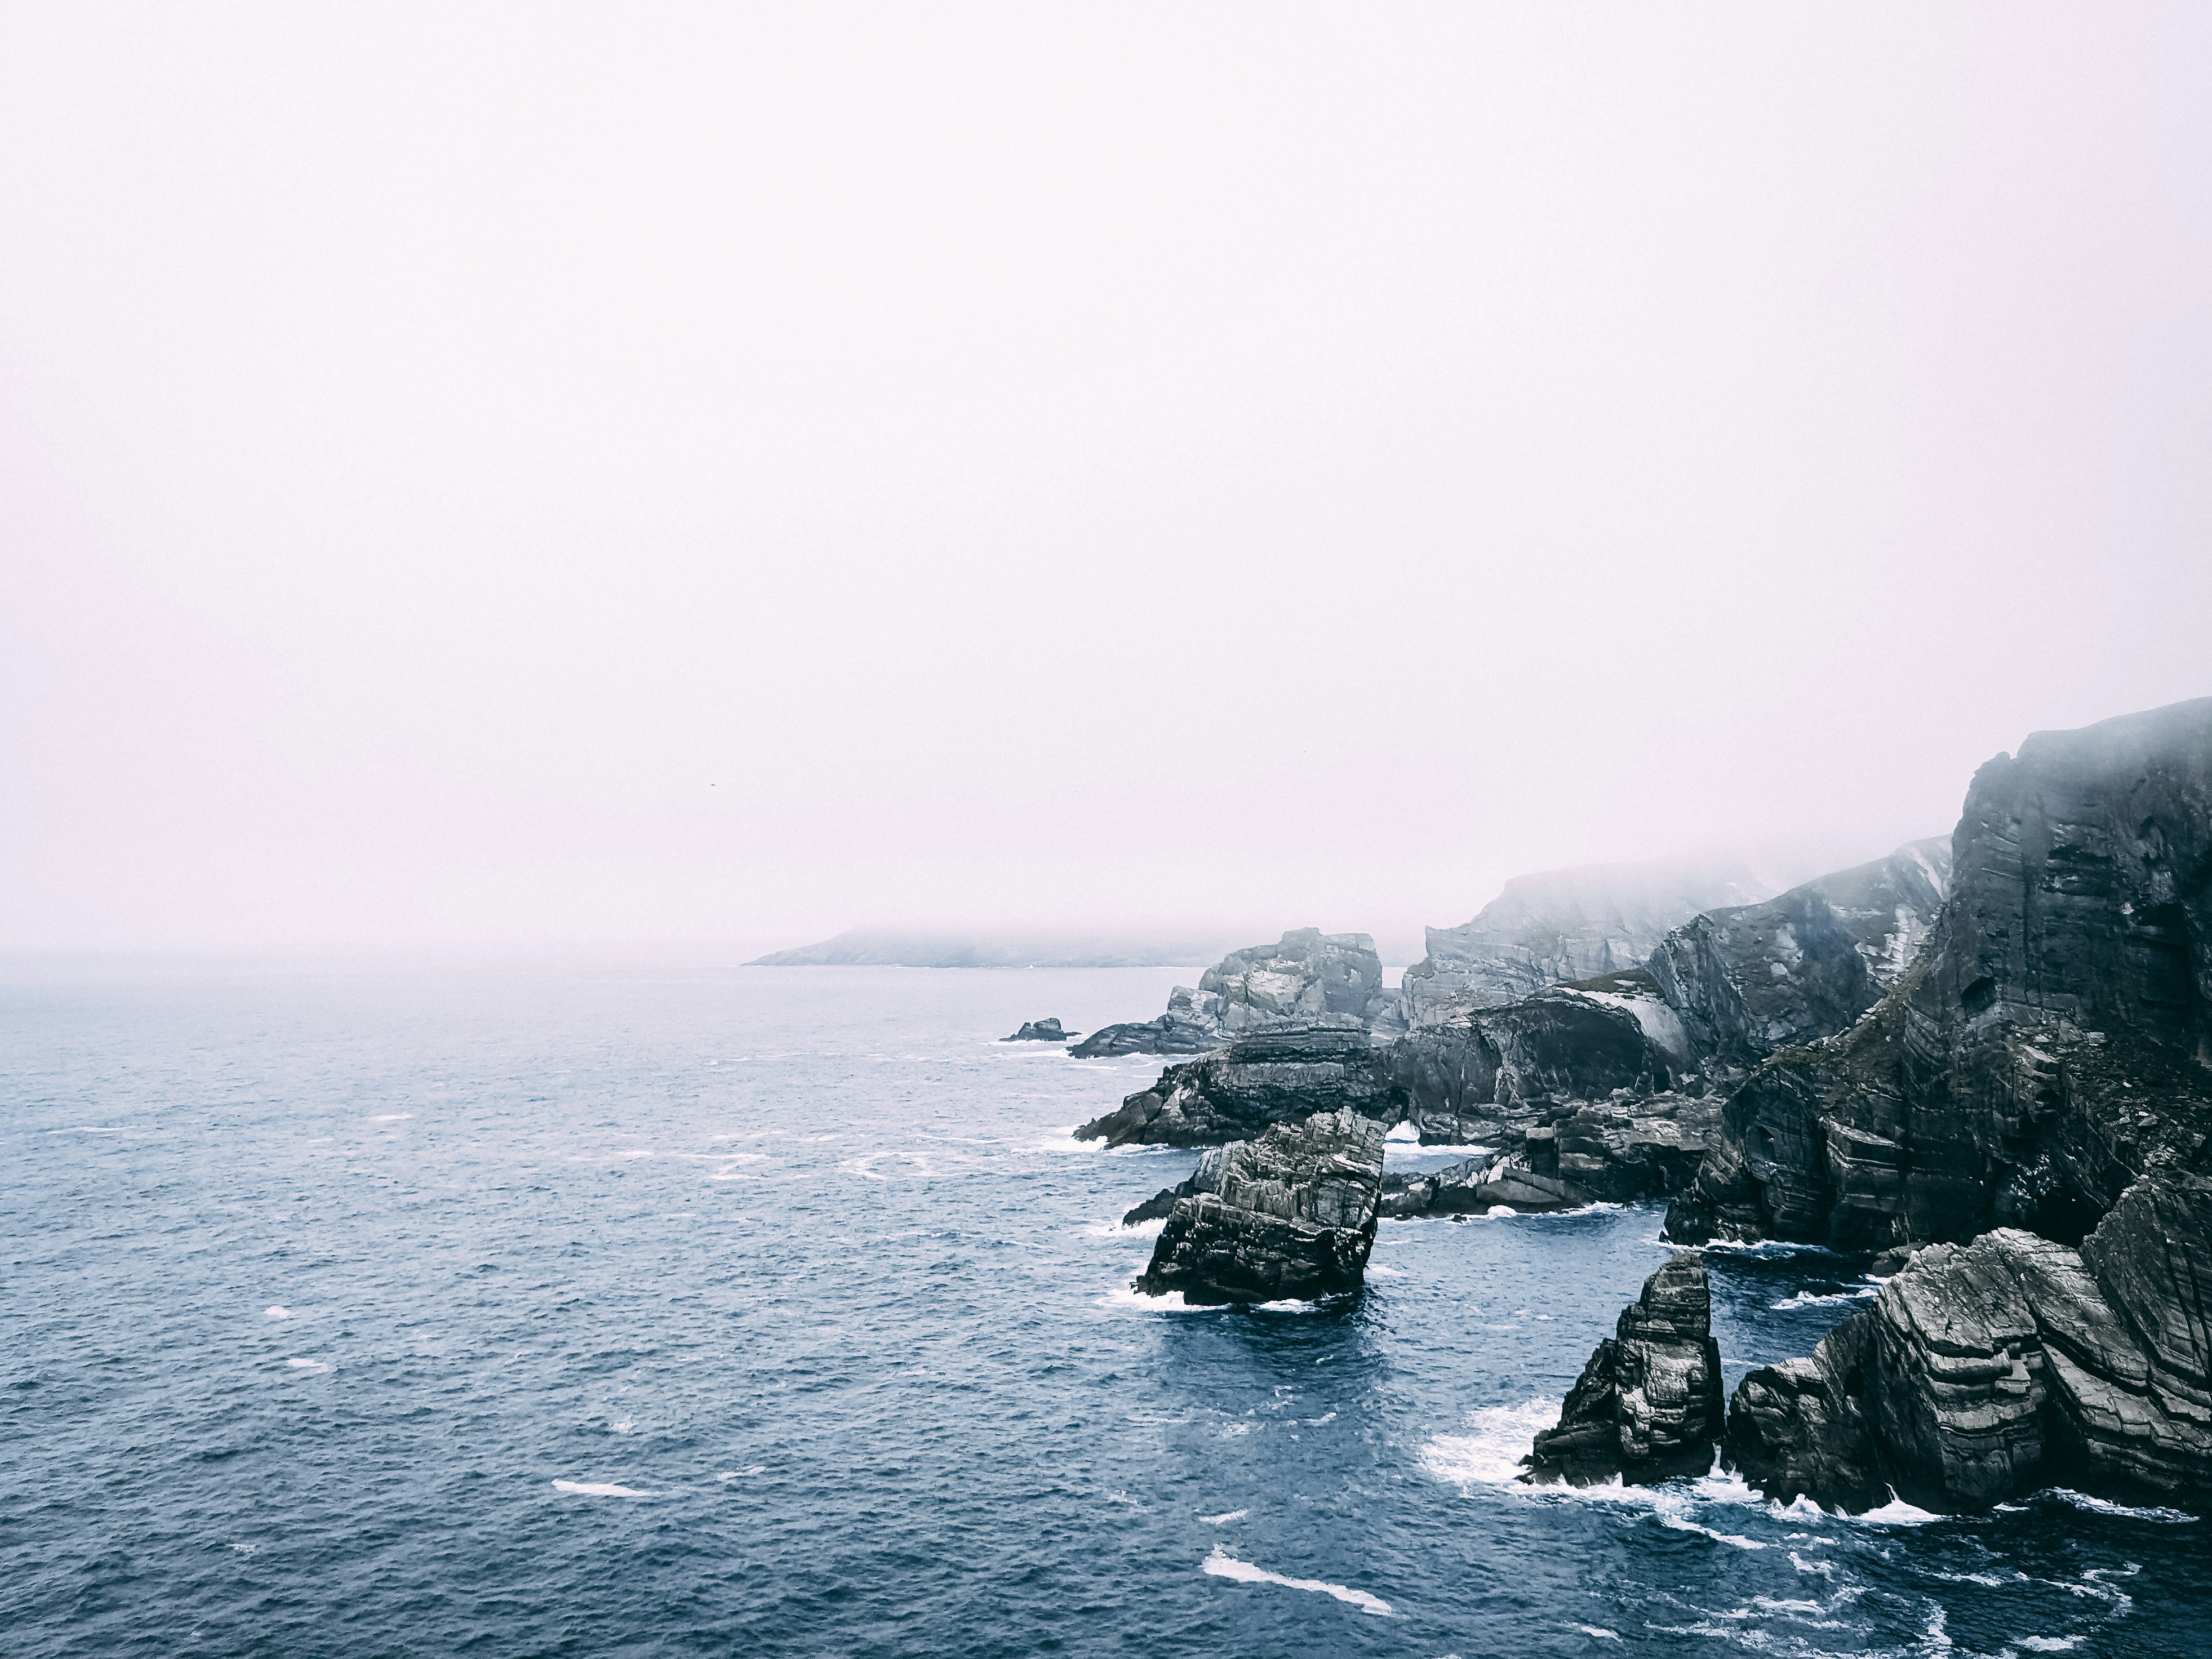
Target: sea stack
(1292, 1217)
(1648, 1405)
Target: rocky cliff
(1306, 976)
(1290, 1215)
(1647, 1407)
(1278, 1074)
(1804, 965)
(1985, 1370)
(2052, 1041)
(1560, 926)
(1192, 1025)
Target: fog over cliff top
(483, 475)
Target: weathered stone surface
(1805, 964)
(1307, 974)
(1292, 1215)
(1042, 1030)
(2049, 1046)
(1988, 1370)
(1206, 1177)
(1192, 1025)
(1563, 925)
(1647, 1407)
(1270, 1076)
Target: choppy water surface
(770, 1312)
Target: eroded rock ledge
(1291, 1215)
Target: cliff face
(1804, 965)
(2051, 1043)
(1306, 977)
(1278, 1074)
(1985, 1370)
(1560, 926)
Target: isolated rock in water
(1648, 1405)
(1805, 964)
(1293, 1217)
(1564, 925)
(1307, 974)
(2051, 1043)
(1986, 1370)
(1192, 1025)
(1278, 1075)
(1042, 1030)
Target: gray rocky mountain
(1647, 1407)
(1985, 1370)
(1564, 925)
(1306, 976)
(1805, 964)
(1290, 1215)
(2048, 1046)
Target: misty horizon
(480, 486)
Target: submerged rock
(1042, 1030)
(1278, 1075)
(1647, 1407)
(1983, 1371)
(1291, 1215)
(2051, 1043)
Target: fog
(479, 477)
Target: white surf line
(1220, 1565)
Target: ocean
(552, 1311)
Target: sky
(480, 476)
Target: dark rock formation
(1309, 975)
(1985, 1370)
(1563, 925)
(1292, 1215)
(1192, 1025)
(1042, 1030)
(1274, 1075)
(2050, 1045)
(1804, 965)
(1205, 1178)
(1648, 1405)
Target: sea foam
(1223, 1565)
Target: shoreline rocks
(1275, 1075)
(1647, 1407)
(1291, 1215)
(1042, 1030)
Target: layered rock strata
(1192, 1025)
(2050, 1045)
(1306, 977)
(1291, 1215)
(1647, 1407)
(1985, 1370)
(1276, 1075)
(1560, 926)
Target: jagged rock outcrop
(1192, 1025)
(1042, 1030)
(1805, 964)
(1560, 926)
(1985, 1370)
(1204, 1178)
(1291, 1216)
(1274, 1075)
(2051, 1043)
(1647, 1407)
(1307, 974)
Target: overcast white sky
(481, 474)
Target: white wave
(1811, 1299)
(1490, 1453)
(1316, 1422)
(88, 1129)
(1405, 1130)
(1221, 1566)
(1501, 1209)
(1223, 1520)
(1897, 1513)
(1669, 1517)
(1289, 1304)
(600, 1489)
(1128, 1296)
(1376, 1269)
(2047, 1643)
(1119, 1230)
(1825, 1568)
(739, 1474)
(274, 1312)
(2082, 1500)
(1761, 1247)
(1600, 1632)
(392, 1117)
(306, 1365)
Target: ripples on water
(775, 1312)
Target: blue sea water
(557, 1311)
